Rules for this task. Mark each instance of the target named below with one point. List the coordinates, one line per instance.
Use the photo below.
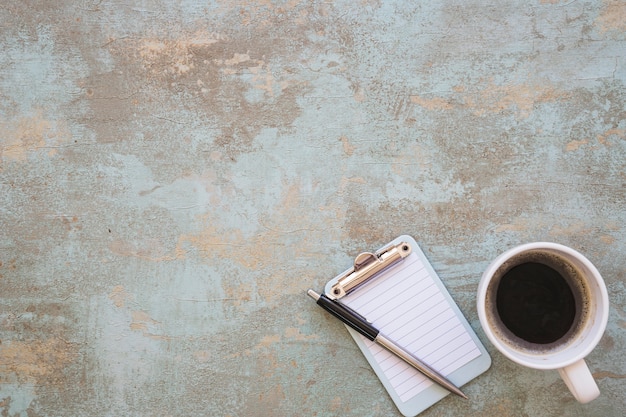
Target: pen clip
(366, 266)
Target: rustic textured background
(174, 175)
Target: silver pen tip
(313, 295)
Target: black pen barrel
(348, 316)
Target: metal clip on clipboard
(367, 265)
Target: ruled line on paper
(408, 307)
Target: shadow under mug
(567, 356)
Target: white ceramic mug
(566, 356)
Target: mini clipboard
(397, 290)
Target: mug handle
(580, 382)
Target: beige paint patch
(228, 79)
(578, 229)
(265, 249)
(181, 58)
(149, 328)
(493, 98)
(575, 144)
(335, 404)
(512, 227)
(202, 356)
(617, 133)
(262, 12)
(141, 320)
(271, 399)
(348, 148)
(179, 52)
(520, 98)
(238, 293)
(237, 59)
(240, 61)
(213, 242)
(435, 103)
(119, 296)
(607, 374)
(267, 341)
(263, 79)
(346, 182)
(150, 250)
(613, 16)
(36, 361)
(608, 239)
(359, 95)
(501, 406)
(404, 164)
(264, 344)
(294, 334)
(259, 250)
(29, 134)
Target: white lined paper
(406, 305)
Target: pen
(361, 325)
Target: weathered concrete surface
(175, 175)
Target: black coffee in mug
(545, 306)
(539, 299)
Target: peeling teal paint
(175, 176)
